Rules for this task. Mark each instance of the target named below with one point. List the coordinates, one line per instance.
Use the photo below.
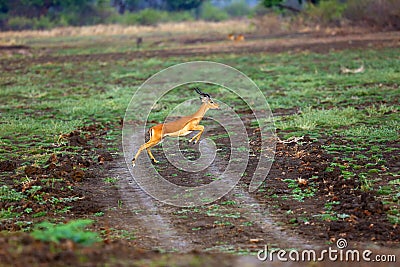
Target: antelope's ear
(204, 99)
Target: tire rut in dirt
(155, 227)
(260, 215)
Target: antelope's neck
(202, 110)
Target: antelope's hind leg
(155, 138)
(146, 146)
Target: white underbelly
(178, 133)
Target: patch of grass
(382, 133)
(380, 110)
(110, 180)
(9, 213)
(222, 223)
(310, 118)
(10, 195)
(73, 230)
(329, 214)
(299, 193)
(121, 234)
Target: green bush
(211, 13)
(3, 20)
(24, 23)
(326, 13)
(74, 231)
(19, 23)
(42, 23)
(150, 17)
(238, 8)
(147, 16)
(89, 14)
(180, 16)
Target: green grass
(389, 131)
(73, 230)
(310, 118)
(299, 193)
(10, 195)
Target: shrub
(19, 23)
(383, 13)
(3, 20)
(151, 17)
(147, 16)
(238, 8)
(180, 16)
(42, 23)
(211, 13)
(326, 13)
(271, 24)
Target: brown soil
(312, 42)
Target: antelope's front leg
(198, 135)
(151, 155)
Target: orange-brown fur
(239, 38)
(179, 127)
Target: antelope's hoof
(155, 161)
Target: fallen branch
(345, 70)
(292, 139)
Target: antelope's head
(206, 98)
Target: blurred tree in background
(294, 5)
(46, 14)
(177, 5)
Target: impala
(180, 127)
(239, 38)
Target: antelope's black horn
(201, 93)
(197, 90)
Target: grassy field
(62, 102)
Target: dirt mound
(320, 203)
(54, 188)
(7, 165)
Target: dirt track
(312, 42)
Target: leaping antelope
(181, 127)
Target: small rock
(256, 240)
(7, 165)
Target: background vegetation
(47, 14)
